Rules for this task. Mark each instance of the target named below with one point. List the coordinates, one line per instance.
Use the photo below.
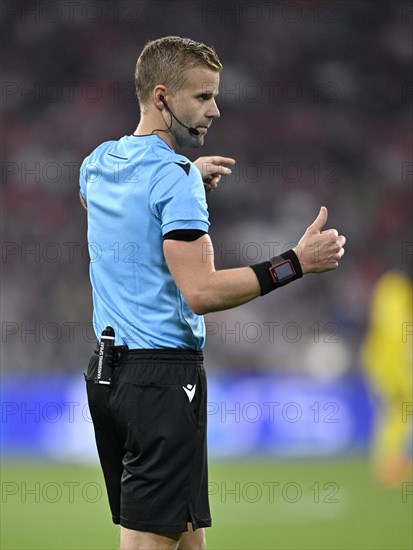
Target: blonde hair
(166, 60)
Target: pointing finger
(217, 160)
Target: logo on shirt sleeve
(186, 166)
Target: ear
(158, 97)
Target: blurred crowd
(315, 107)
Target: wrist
(278, 272)
(297, 252)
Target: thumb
(320, 221)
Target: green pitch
(257, 504)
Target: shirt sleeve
(178, 198)
(82, 178)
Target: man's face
(194, 105)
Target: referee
(153, 278)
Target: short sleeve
(178, 198)
(82, 178)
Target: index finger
(217, 160)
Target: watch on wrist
(281, 272)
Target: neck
(147, 126)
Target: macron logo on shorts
(190, 391)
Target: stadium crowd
(315, 107)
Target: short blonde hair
(165, 61)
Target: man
(153, 278)
(387, 357)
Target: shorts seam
(154, 527)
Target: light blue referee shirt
(138, 189)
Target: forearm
(227, 289)
(206, 290)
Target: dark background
(315, 107)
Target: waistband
(162, 354)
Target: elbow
(200, 303)
(198, 307)
(199, 310)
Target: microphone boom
(192, 131)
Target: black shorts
(150, 429)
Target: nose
(213, 112)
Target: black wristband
(279, 271)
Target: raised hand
(212, 169)
(319, 250)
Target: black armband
(184, 234)
(279, 271)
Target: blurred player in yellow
(387, 358)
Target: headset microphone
(192, 131)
